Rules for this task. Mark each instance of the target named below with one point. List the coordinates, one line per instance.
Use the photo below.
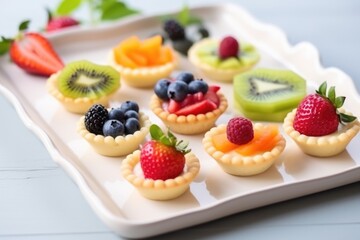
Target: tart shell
(236, 164)
(190, 124)
(75, 105)
(217, 74)
(145, 77)
(119, 146)
(160, 189)
(324, 146)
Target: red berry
(239, 130)
(229, 47)
(316, 116)
(159, 161)
(58, 23)
(197, 108)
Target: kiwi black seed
(268, 90)
(85, 79)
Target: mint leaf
(185, 18)
(116, 10)
(24, 25)
(67, 6)
(156, 132)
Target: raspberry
(95, 118)
(239, 130)
(229, 47)
(174, 30)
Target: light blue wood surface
(39, 201)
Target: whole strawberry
(317, 114)
(163, 157)
(239, 130)
(59, 22)
(32, 52)
(229, 47)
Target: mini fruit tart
(81, 84)
(221, 61)
(166, 167)
(187, 105)
(142, 63)
(315, 124)
(244, 149)
(115, 132)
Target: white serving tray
(213, 194)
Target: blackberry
(174, 30)
(95, 118)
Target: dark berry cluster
(184, 84)
(177, 34)
(119, 121)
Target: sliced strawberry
(33, 53)
(173, 106)
(213, 97)
(59, 23)
(197, 108)
(214, 88)
(199, 96)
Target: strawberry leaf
(67, 6)
(24, 25)
(339, 101)
(344, 118)
(331, 94)
(322, 89)
(4, 47)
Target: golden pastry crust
(235, 164)
(324, 146)
(160, 189)
(145, 77)
(74, 105)
(119, 146)
(217, 74)
(191, 124)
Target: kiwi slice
(268, 90)
(85, 79)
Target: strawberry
(163, 157)
(173, 106)
(317, 114)
(201, 107)
(59, 22)
(212, 96)
(32, 52)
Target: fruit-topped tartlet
(242, 148)
(81, 84)
(319, 125)
(114, 132)
(166, 169)
(222, 60)
(142, 63)
(187, 105)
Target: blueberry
(182, 46)
(129, 105)
(113, 128)
(185, 77)
(161, 88)
(116, 113)
(198, 86)
(131, 125)
(131, 114)
(178, 90)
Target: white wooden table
(39, 201)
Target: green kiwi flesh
(268, 117)
(248, 56)
(268, 90)
(82, 79)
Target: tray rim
(125, 227)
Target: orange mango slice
(138, 58)
(265, 140)
(222, 144)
